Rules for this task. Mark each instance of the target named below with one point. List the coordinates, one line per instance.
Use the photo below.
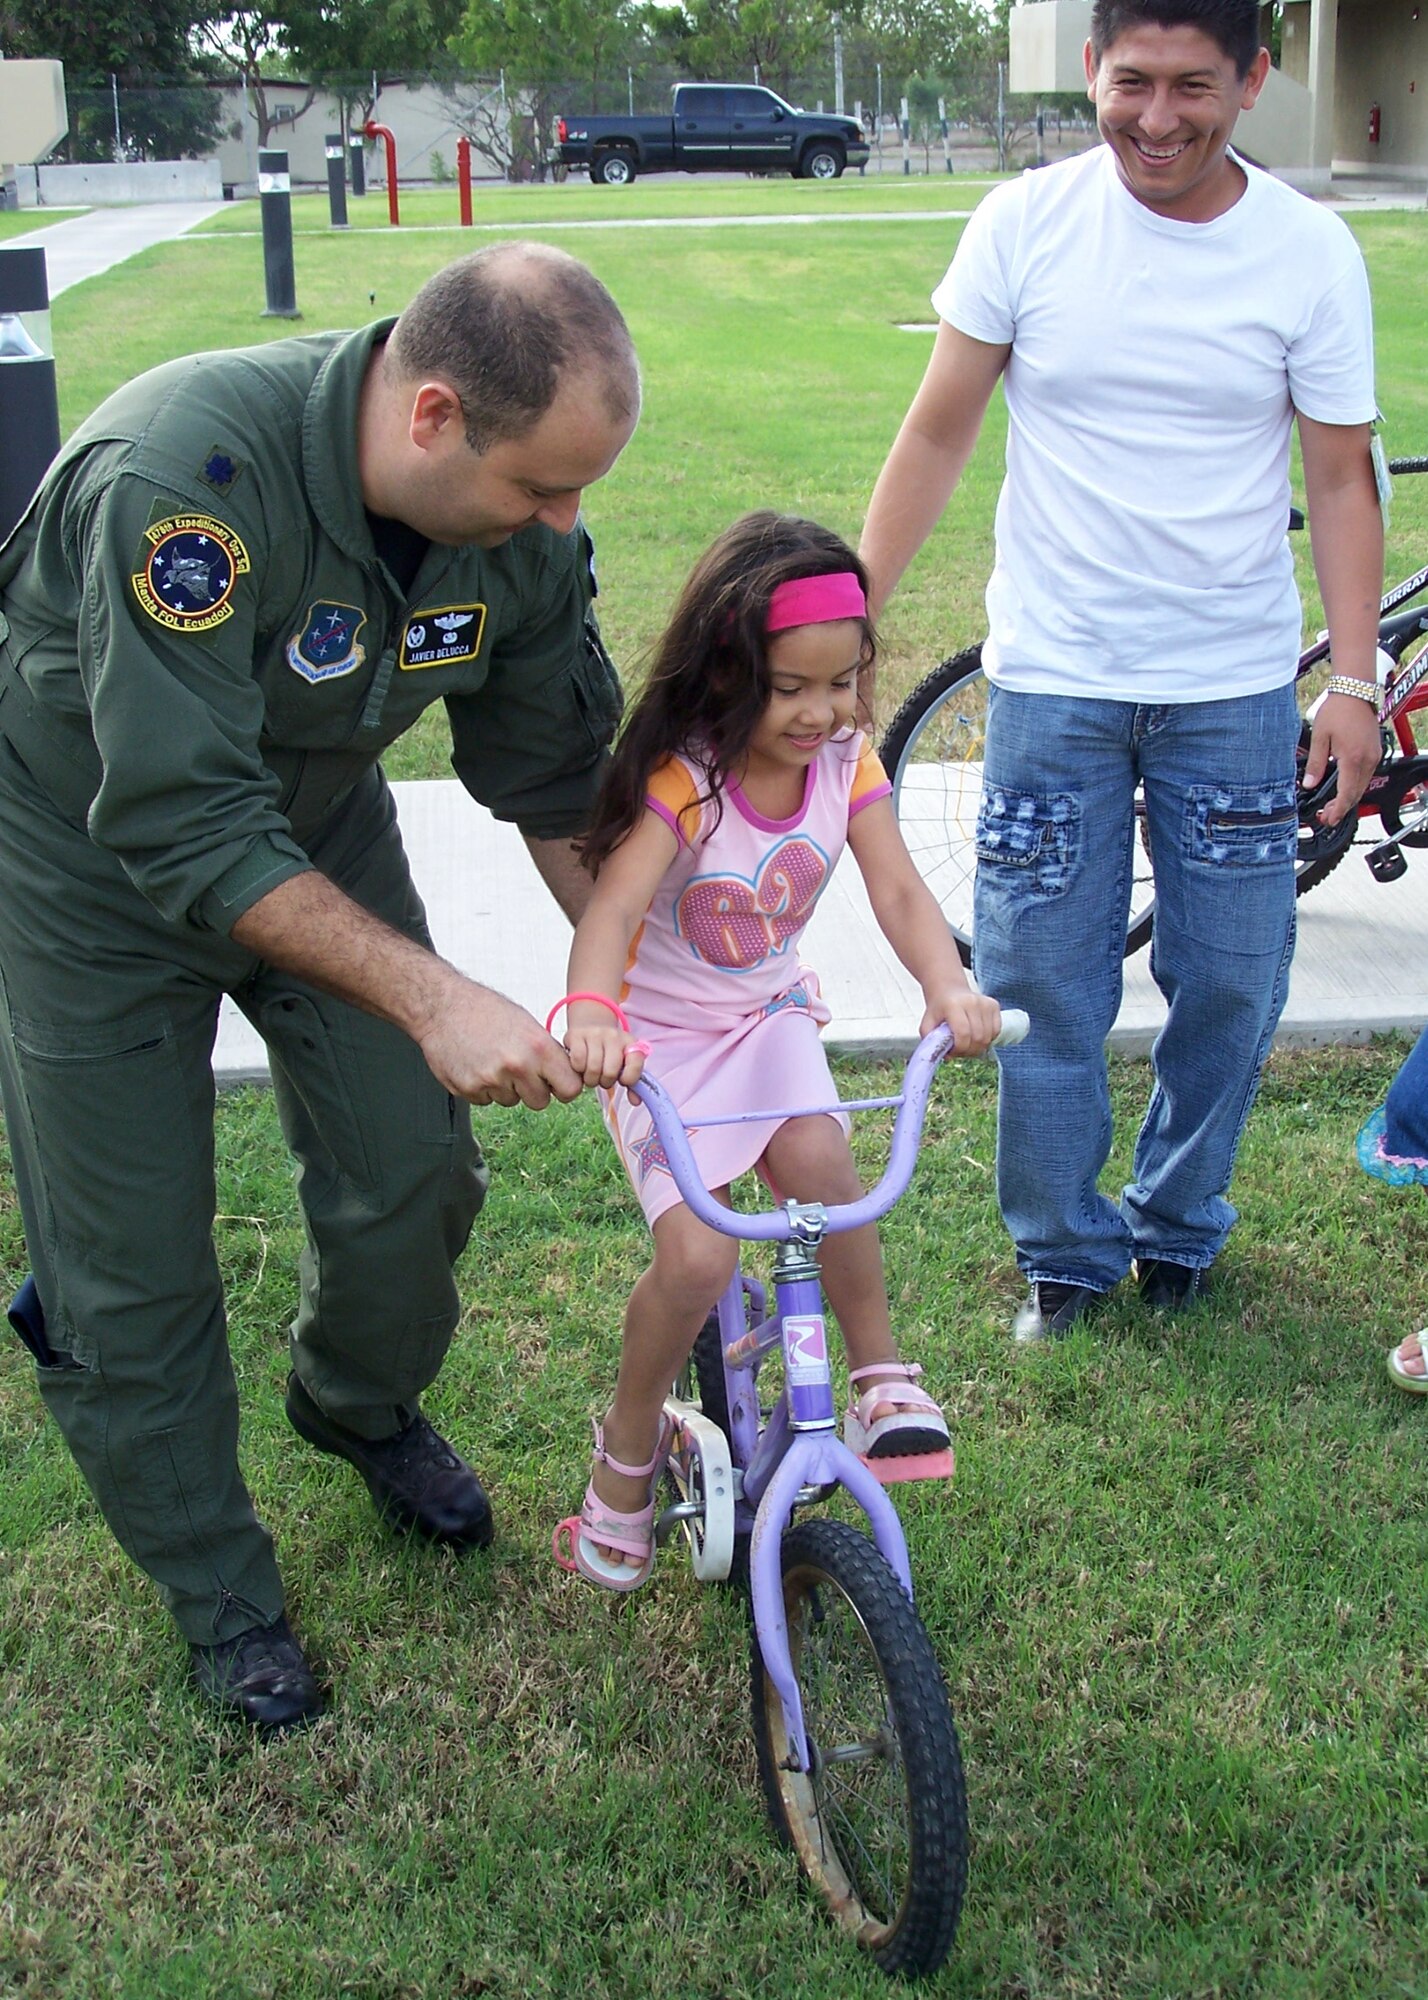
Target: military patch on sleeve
(327, 648)
(221, 470)
(444, 637)
(190, 568)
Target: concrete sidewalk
(1361, 966)
(88, 244)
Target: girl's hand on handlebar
(974, 1019)
(604, 1055)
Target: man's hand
(488, 1050)
(1346, 730)
(478, 1044)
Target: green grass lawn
(1178, 1585)
(669, 197)
(20, 221)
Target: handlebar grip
(1016, 1025)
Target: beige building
(1349, 98)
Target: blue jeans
(1054, 849)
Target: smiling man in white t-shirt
(1161, 315)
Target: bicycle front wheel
(879, 1823)
(933, 753)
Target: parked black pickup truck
(721, 126)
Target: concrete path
(1361, 966)
(93, 242)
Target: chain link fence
(966, 121)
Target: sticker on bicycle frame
(805, 1345)
(189, 572)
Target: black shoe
(261, 1677)
(1050, 1308)
(414, 1476)
(1166, 1287)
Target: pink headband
(816, 600)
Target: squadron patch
(327, 648)
(442, 638)
(192, 564)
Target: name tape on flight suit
(443, 637)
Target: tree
(776, 41)
(251, 46)
(541, 49)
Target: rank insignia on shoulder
(191, 566)
(221, 470)
(443, 637)
(327, 648)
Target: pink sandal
(632, 1534)
(916, 1427)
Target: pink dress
(714, 982)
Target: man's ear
(1254, 81)
(1088, 57)
(436, 415)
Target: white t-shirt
(1155, 369)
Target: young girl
(739, 777)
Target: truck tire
(822, 161)
(615, 167)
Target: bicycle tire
(932, 752)
(865, 1665)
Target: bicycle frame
(797, 1456)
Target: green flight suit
(202, 656)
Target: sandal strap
(646, 1471)
(909, 1370)
(631, 1534)
(902, 1396)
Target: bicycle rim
(880, 1822)
(934, 751)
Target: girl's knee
(809, 1159)
(694, 1262)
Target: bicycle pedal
(1388, 864)
(918, 1465)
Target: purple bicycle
(857, 1750)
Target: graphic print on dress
(736, 924)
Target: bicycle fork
(799, 1457)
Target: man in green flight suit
(246, 575)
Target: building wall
(423, 121)
(1382, 60)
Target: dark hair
(1233, 24)
(503, 325)
(708, 682)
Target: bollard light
(336, 181)
(29, 402)
(276, 205)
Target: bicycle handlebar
(776, 1226)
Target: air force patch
(444, 637)
(327, 648)
(193, 562)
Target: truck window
(752, 104)
(693, 101)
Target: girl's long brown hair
(708, 683)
